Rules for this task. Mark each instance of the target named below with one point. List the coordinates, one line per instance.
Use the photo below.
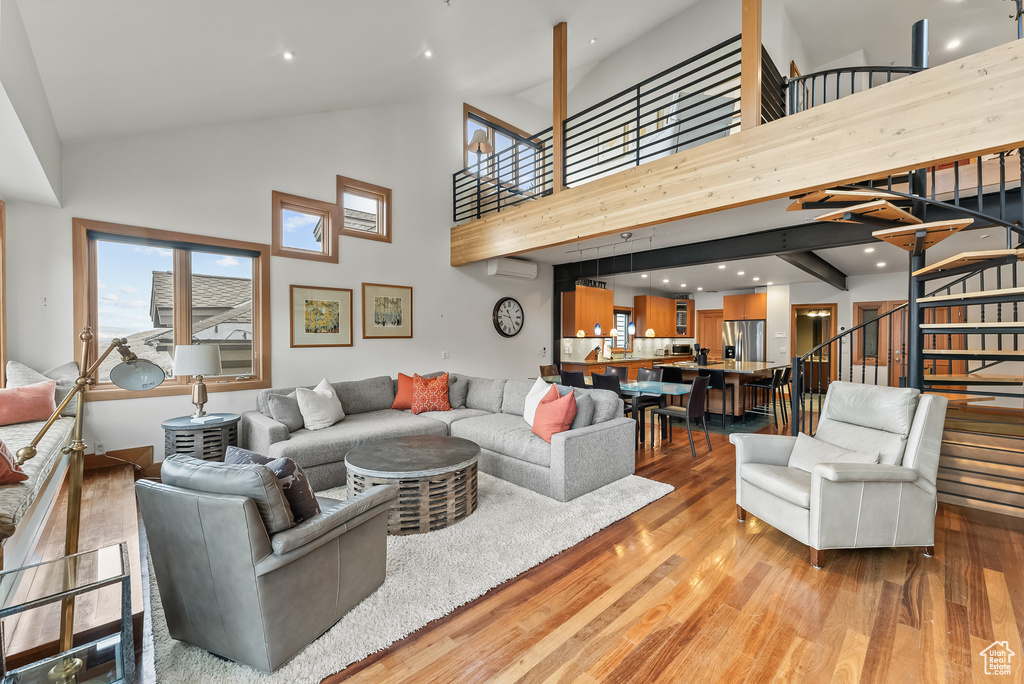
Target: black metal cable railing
(686, 105)
(829, 85)
(509, 177)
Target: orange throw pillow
(10, 471)
(27, 403)
(403, 397)
(430, 394)
(554, 414)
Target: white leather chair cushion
(881, 408)
(809, 452)
(791, 484)
(889, 445)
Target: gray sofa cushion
(313, 448)
(253, 481)
(513, 399)
(449, 417)
(485, 394)
(458, 388)
(585, 408)
(606, 405)
(285, 410)
(362, 396)
(19, 375)
(506, 434)
(18, 496)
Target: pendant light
(580, 332)
(650, 277)
(614, 332)
(631, 328)
(597, 323)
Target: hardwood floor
(681, 591)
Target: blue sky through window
(298, 230)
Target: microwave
(681, 349)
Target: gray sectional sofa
(488, 412)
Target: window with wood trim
(3, 294)
(160, 289)
(622, 342)
(303, 228)
(364, 210)
(516, 158)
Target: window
(303, 228)
(623, 341)
(516, 158)
(365, 210)
(160, 289)
(871, 343)
(3, 295)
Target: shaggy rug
(512, 530)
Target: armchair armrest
(864, 472)
(767, 449)
(334, 514)
(258, 432)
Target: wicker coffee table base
(426, 503)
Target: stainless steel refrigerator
(747, 337)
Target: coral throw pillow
(10, 471)
(403, 397)
(430, 394)
(555, 414)
(28, 402)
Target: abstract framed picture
(387, 311)
(321, 316)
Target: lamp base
(66, 671)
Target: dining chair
(610, 381)
(621, 371)
(696, 402)
(573, 379)
(673, 374)
(716, 381)
(548, 371)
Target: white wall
(217, 181)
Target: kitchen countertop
(732, 366)
(612, 362)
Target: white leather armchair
(849, 505)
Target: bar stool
(784, 393)
(770, 386)
(717, 381)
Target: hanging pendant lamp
(631, 328)
(597, 323)
(650, 277)
(614, 332)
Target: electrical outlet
(567, 349)
(445, 355)
(782, 350)
(101, 449)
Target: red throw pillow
(30, 402)
(10, 471)
(554, 414)
(430, 394)
(403, 397)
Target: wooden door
(895, 341)
(709, 331)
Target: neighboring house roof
(208, 291)
(137, 342)
(360, 220)
(238, 314)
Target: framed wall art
(321, 316)
(387, 311)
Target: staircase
(961, 339)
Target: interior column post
(750, 65)
(559, 106)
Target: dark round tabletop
(412, 456)
(185, 422)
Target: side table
(208, 441)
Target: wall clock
(507, 317)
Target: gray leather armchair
(848, 505)
(231, 588)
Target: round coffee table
(436, 479)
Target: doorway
(709, 331)
(812, 325)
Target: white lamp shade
(197, 359)
(480, 143)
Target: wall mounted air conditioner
(512, 268)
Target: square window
(303, 228)
(365, 210)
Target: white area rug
(512, 530)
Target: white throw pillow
(533, 397)
(320, 406)
(809, 452)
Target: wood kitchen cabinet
(658, 313)
(689, 319)
(584, 307)
(748, 307)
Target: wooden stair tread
(905, 237)
(990, 325)
(841, 196)
(878, 209)
(956, 399)
(968, 258)
(1005, 292)
(974, 379)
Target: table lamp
(197, 360)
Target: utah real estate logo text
(997, 658)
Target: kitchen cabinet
(748, 307)
(658, 313)
(686, 314)
(585, 306)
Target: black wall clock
(507, 317)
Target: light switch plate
(780, 333)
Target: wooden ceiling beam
(964, 108)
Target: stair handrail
(796, 392)
(798, 84)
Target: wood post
(750, 65)
(559, 106)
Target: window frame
(282, 201)
(628, 311)
(884, 307)
(519, 137)
(378, 192)
(86, 232)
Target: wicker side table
(208, 441)
(436, 479)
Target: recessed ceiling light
(665, 280)
(288, 55)
(721, 265)
(983, 237)
(739, 272)
(880, 264)
(869, 250)
(769, 283)
(953, 44)
(682, 284)
(428, 53)
(593, 40)
(699, 289)
(643, 275)
(756, 279)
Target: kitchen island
(737, 374)
(632, 364)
